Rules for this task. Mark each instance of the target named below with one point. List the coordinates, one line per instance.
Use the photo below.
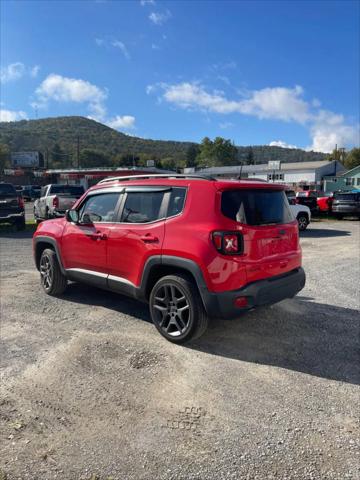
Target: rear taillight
(55, 202)
(297, 200)
(228, 243)
(21, 202)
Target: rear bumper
(262, 292)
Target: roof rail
(155, 175)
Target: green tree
(93, 158)
(250, 157)
(216, 153)
(4, 156)
(191, 154)
(352, 159)
(58, 158)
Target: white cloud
(122, 47)
(113, 42)
(329, 129)
(154, 46)
(280, 143)
(225, 125)
(11, 72)
(17, 70)
(65, 90)
(11, 115)
(147, 2)
(126, 122)
(274, 103)
(277, 103)
(34, 71)
(159, 18)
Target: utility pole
(78, 152)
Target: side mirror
(72, 216)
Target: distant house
(308, 175)
(345, 181)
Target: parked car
(192, 247)
(307, 198)
(11, 206)
(30, 192)
(55, 199)
(346, 203)
(324, 202)
(301, 212)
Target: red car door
(138, 235)
(85, 244)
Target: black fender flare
(51, 241)
(177, 262)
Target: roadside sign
(274, 165)
(150, 163)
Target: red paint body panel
(269, 250)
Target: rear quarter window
(256, 206)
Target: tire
(303, 222)
(20, 225)
(339, 216)
(177, 310)
(51, 278)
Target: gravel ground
(90, 390)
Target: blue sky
(256, 72)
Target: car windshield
(68, 189)
(256, 207)
(6, 189)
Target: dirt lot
(91, 391)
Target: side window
(177, 199)
(142, 207)
(43, 191)
(99, 208)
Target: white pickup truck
(302, 213)
(55, 199)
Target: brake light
(21, 202)
(55, 202)
(228, 243)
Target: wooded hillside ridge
(99, 145)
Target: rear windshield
(346, 196)
(256, 207)
(6, 189)
(68, 189)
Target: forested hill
(62, 133)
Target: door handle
(98, 236)
(149, 238)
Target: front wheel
(52, 280)
(302, 222)
(177, 310)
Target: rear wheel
(177, 310)
(303, 222)
(339, 216)
(52, 280)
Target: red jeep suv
(192, 247)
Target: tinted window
(177, 199)
(142, 207)
(99, 208)
(75, 190)
(256, 207)
(7, 189)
